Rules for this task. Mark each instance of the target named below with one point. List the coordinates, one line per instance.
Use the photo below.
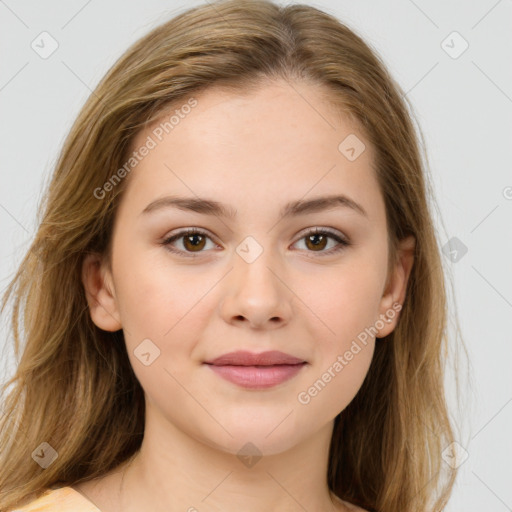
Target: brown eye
(316, 241)
(193, 241)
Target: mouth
(256, 371)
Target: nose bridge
(253, 267)
(255, 289)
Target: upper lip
(245, 358)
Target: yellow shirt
(63, 499)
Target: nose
(256, 295)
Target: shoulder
(62, 499)
(354, 508)
(349, 506)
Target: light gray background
(463, 104)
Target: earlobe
(394, 295)
(100, 293)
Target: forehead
(282, 140)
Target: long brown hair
(74, 387)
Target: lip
(256, 371)
(245, 358)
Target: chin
(270, 437)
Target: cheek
(347, 305)
(152, 296)
(345, 302)
(343, 353)
(334, 387)
(168, 308)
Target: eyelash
(343, 243)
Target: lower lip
(257, 377)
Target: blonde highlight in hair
(74, 387)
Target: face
(257, 275)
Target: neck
(173, 471)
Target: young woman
(235, 298)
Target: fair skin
(255, 154)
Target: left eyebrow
(293, 208)
(193, 204)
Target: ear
(100, 293)
(394, 293)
